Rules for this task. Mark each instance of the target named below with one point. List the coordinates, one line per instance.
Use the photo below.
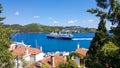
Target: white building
(26, 52)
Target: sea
(36, 40)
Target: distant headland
(38, 28)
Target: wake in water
(82, 38)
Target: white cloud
(55, 22)
(17, 13)
(50, 18)
(72, 21)
(90, 20)
(36, 17)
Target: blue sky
(50, 12)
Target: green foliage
(62, 65)
(45, 66)
(6, 58)
(98, 13)
(31, 28)
(110, 55)
(113, 15)
(97, 43)
(99, 39)
(70, 63)
(102, 51)
(36, 28)
(76, 55)
(116, 35)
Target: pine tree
(6, 58)
(107, 10)
(113, 15)
(98, 41)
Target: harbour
(53, 45)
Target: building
(15, 45)
(52, 61)
(26, 52)
(81, 51)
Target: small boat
(60, 35)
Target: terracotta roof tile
(57, 60)
(82, 51)
(21, 51)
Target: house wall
(39, 56)
(18, 63)
(12, 46)
(27, 57)
(77, 61)
(32, 58)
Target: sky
(50, 12)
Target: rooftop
(22, 50)
(57, 60)
(82, 51)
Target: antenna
(36, 44)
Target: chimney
(26, 50)
(41, 48)
(78, 46)
(52, 61)
(22, 42)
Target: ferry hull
(66, 38)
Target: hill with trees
(36, 28)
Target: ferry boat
(60, 35)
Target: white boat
(60, 35)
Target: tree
(113, 15)
(70, 63)
(45, 66)
(107, 10)
(110, 55)
(98, 41)
(6, 58)
(110, 12)
(62, 65)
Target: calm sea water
(52, 45)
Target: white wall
(34, 58)
(77, 61)
(12, 46)
(18, 63)
(27, 57)
(39, 56)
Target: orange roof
(57, 60)
(82, 51)
(21, 51)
